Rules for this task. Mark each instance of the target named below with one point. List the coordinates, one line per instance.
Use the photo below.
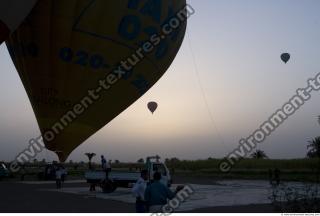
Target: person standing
(92, 183)
(157, 194)
(58, 177)
(277, 176)
(270, 176)
(63, 174)
(109, 166)
(138, 190)
(103, 163)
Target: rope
(195, 65)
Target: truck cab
(154, 165)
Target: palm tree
(314, 146)
(141, 160)
(314, 152)
(259, 154)
(90, 156)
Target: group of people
(151, 197)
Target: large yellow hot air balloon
(83, 62)
(12, 13)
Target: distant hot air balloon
(12, 13)
(152, 106)
(285, 57)
(84, 62)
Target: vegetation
(256, 167)
(90, 156)
(314, 148)
(141, 160)
(293, 169)
(259, 154)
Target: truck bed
(99, 175)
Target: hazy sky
(237, 47)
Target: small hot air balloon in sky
(83, 62)
(285, 57)
(152, 106)
(12, 13)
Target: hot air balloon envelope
(152, 106)
(83, 62)
(285, 57)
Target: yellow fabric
(65, 47)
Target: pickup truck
(126, 179)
